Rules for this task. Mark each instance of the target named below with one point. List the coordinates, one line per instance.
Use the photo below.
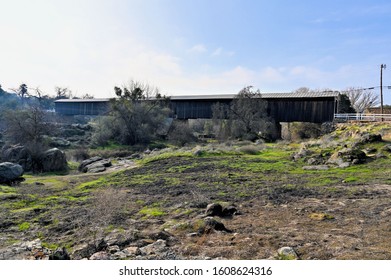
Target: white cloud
(199, 48)
(220, 51)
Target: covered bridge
(283, 107)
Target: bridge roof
(222, 96)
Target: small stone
(113, 249)
(102, 255)
(212, 224)
(316, 167)
(131, 251)
(60, 254)
(152, 249)
(287, 253)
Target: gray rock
(316, 167)
(17, 154)
(83, 251)
(386, 148)
(159, 247)
(86, 162)
(119, 256)
(214, 209)
(54, 160)
(102, 255)
(10, 172)
(370, 138)
(121, 238)
(131, 251)
(24, 250)
(344, 165)
(160, 235)
(380, 155)
(316, 160)
(349, 155)
(113, 249)
(60, 254)
(287, 253)
(229, 211)
(197, 153)
(98, 166)
(96, 169)
(59, 142)
(212, 224)
(302, 153)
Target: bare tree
(63, 93)
(361, 99)
(28, 128)
(87, 96)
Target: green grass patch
(152, 212)
(87, 186)
(7, 189)
(73, 165)
(50, 181)
(165, 156)
(24, 226)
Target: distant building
(283, 107)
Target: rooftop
(224, 96)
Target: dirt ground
(330, 222)
(276, 208)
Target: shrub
(181, 134)
(249, 149)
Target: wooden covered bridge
(283, 107)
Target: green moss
(7, 189)
(51, 246)
(140, 202)
(93, 184)
(73, 165)
(50, 181)
(152, 212)
(24, 226)
(165, 156)
(283, 257)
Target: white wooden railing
(362, 117)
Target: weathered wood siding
(282, 110)
(82, 108)
(194, 109)
(313, 109)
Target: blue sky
(195, 47)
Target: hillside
(327, 198)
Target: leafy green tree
(344, 105)
(136, 115)
(246, 116)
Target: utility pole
(383, 66)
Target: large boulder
(84, 163)
(54, 160)
(17, 154)
(10, 172)
(369, 138)
(94, 165)
(347, 156)
(59, 142)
